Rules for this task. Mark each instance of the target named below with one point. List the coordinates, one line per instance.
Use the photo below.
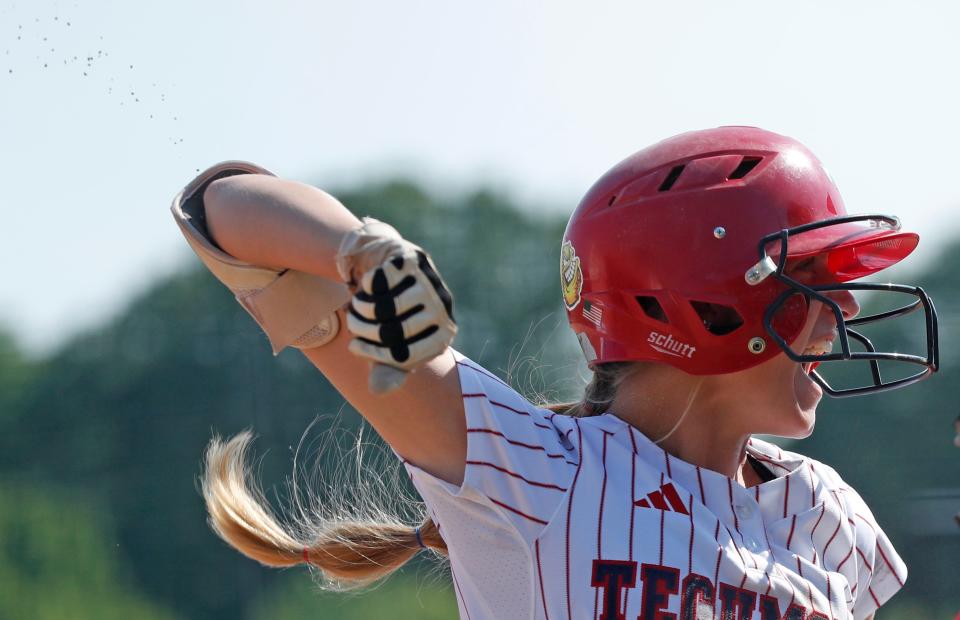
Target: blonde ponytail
(351, 539)
(350, 551)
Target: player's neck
(710, 446)
(707, 435)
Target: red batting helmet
(677, 255)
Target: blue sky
(538, 98)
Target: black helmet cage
(929, 364)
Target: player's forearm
(278, 223)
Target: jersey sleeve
(880, 570)
(520, 460)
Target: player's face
(781, 397)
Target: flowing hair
(355, 536)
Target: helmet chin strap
(686, 410)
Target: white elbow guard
(293, 308)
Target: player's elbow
(219, 195)
(233, 215)
(217, 198)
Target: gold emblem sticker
(571, 277)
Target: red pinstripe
(833, 494)
(573, 487)
(690, 551)
(521, 444)
(867, 522)
(736, 525)
(543, 485)
(456, 584)
(633, 499)
(809, 587)
(737, 547)
(889, 565)
(508, 408)
(793, 524)
(823, 508)
(827, 546)
(716, 571)
(874, 596)
(793, 590)
(662, 513)
(603, 496)
(666, 456)
(736, 521)
(490, 431)
(829, 598)
(543, 596)
(776, 567)
(866, 562)
(813, 486)
(810, 596)
(518, 512)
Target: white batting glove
(401, 314)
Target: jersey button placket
(748, 513)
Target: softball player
(708, 278)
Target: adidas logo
(665, 498)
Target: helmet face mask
(664, 253)
(918, 299)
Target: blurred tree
(16, 371)
(57, 561)
(404, 597)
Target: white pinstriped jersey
(563, 518)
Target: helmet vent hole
(717, 319)
(746, 165)
(612, 200)
(671, 178)
(652, 308)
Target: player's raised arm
(290, 236)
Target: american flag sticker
(593, 313)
